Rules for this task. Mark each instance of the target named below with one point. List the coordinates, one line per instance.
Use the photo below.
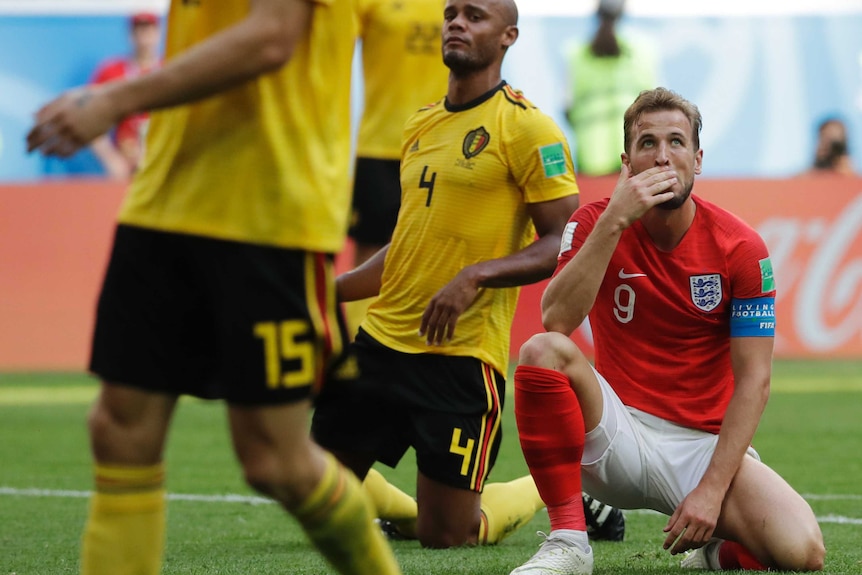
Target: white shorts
(634, 460)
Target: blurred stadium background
(763, 73)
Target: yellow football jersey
(467, 174)
(266, 162)
(402, 66)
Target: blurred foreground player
(220, 283)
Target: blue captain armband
(752, 317)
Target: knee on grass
(431, 538)
(807, 553)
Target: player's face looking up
(477, 33)
(664, 138)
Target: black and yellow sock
(391, 503)
(125, 530)
(506, 507)
(338, 518)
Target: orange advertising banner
(54, 242)
(55, 237)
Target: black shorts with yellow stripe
(185, 314)
(447, 408)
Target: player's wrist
(475, 276)
(612, 224)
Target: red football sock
(732, 555)
(551, 430)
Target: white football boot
(559, 554)
(705, 558)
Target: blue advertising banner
(41, 56)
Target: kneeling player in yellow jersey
(220, 280)
(483, 172)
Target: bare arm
(536, 261)
(260, 43)
(697, 515)
(116, 166)
(363, 281)
(531, 264)
(570, 295)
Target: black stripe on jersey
(476, 101)
(508, 92)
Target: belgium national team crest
(706, 291)
(475, 141)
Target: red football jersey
(661, 320)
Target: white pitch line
(830, 496)
(229, 498)
(840, 519)
(253, 500)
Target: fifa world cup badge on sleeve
(553, 159)
(767, 278)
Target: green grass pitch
(811, 434)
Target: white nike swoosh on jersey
(625, 276)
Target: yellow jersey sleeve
(266, 162)
(539, 155)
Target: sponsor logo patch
(553, 159)
(705, 291)
(624, 275)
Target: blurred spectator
(606, 74)
(120, 152)
(832, 154)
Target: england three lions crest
(706, 291)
